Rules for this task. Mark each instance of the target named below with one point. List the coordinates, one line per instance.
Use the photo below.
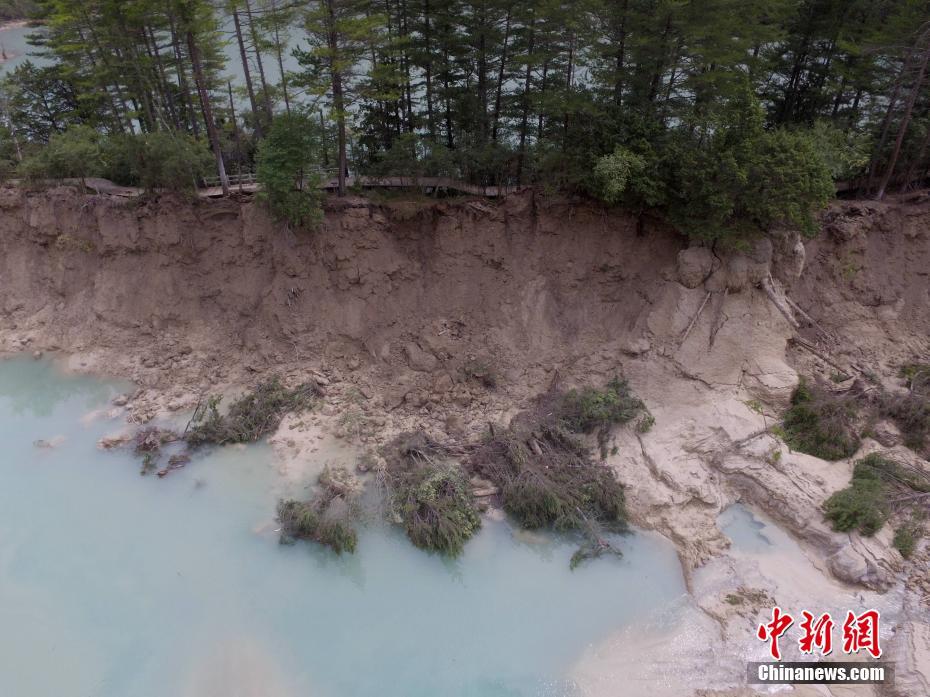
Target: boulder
(695, 264)
(420, 360)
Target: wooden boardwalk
(250, 186)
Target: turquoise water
(115, 585)
(745, 530)
(17, 48)
(14, 40)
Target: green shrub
(287, 171)
(912, 372)
(250, 417)
(739, 179)
(304, 521)
(161, 160)
(843, 151)
(861, 506)
(77, 153)
(906, 538)
(439, 511)
(616, 173)
(911, 414)
(591, 409)
(328, 518)
(431, 498)
(821, 423)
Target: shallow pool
(116, 585)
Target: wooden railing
(234, 179)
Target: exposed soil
(387, 304)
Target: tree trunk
(905, 122)
(525, 100)
(258, 60)
(280, 56)
(338, 97)
(500, 76)
(182, 77)
(248, 74)
(886, 121)
(212, 134)
(232, 112)
(621, 55)
(428, 72)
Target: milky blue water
(14, 40)
(15, 44)
(745, 530)
(116, 585)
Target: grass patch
(915, 372)
(821, 423)
(328, 518)
(249, 418)
(430, 496)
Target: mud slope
(386, 304)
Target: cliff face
(507, 280)
(388, 302)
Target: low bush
(906, 538)
(76, 153)
(877, 483)
(154, 161)
(328, 518)
(861, 506)
(911, 414)
(591, 409)
(250, 417)
(430, 496)
(821, 423)
(148, 443)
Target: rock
(636, 347)
(886, 433)
(319, 378)
(115, 441)
(695, 264)
(416, 398)
(121, 400)
(461, 396)
(418, 359)
(762, 251)
(37, 355)
(454, 425)
(442, 384)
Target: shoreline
(714, 666)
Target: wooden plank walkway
(248, 185)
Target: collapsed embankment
(388, 304)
